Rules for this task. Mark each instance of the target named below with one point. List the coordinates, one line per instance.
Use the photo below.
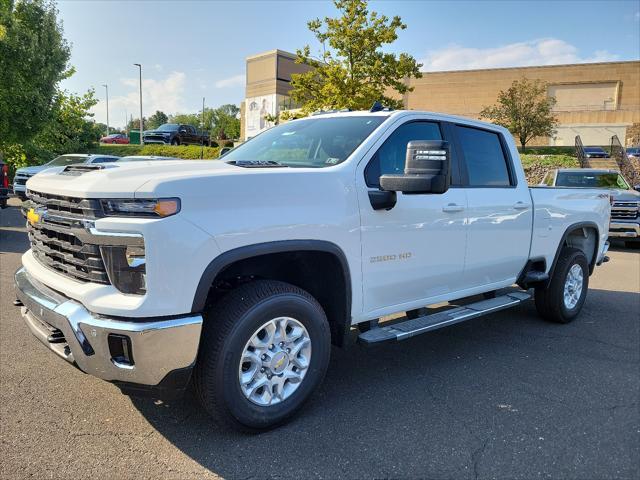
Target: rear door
(499, 209)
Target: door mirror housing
(426, 169)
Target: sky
(195, 49)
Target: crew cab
(238, 274)
(177, 134)
(625, 201)
(25, 173)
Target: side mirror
(426, 169)
(182, 130)
(636, 188)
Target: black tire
(550, 299)
(633, 244)
(175, 142)
(3, 203)
(229, 324)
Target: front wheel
(265, 349)
(562, 299)
(175, 141)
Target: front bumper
(624, 230)
(159, 348)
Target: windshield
(591, 180)
(168, 127)
(66, 160)
(310, 142)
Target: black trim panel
(227, 258)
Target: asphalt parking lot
(506, 396)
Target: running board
(410, 328)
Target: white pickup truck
(238, 275)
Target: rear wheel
(265, 349)
(562, 299)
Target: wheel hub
(573, 286)
(274, 361)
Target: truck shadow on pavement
(505, 395)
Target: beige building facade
(593, 100)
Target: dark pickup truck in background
(177, 134)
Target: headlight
(141, 207)
(126, 267)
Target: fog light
(120, 349)
(126, 267)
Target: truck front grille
(54, 239)
(624, 210)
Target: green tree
(353, 71)
(525, 109)
(186, 118)
(33, 60)
(70, 130)
(224, 122)
(155, 120)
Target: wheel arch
(288, 261)
(584, 236)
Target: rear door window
(484, 157)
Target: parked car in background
(633, 152)
(224, 151)
(25, 173)
(625, 201)
(595, 152)
(118, 138)
(4, 184)
(176, 134)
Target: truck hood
(625, 195)
(123, 180)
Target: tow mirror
(636, 188)
(426, 169)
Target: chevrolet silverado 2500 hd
(237, 275)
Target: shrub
(228, 143)
(190, 152)
(536, 166)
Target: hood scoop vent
(257, 164)
(76, 170)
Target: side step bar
(410, 328)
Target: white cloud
(166, 95)
(234, 81)
(544, 51)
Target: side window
(484, 157)
(391, 156)
(104, 160)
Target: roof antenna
(376, 107)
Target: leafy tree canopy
(155, 120)
(525, 109)
(33, 60)
(353, 71)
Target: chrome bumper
(624, 230)
(81, 337)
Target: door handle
(521, 206)
(452, 208)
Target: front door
(415, 250)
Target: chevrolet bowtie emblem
(32, 216)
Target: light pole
(141, 121)
(107, 90)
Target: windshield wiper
(257, 163)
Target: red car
(115, 138)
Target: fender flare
(571, 228)
(225, 259)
